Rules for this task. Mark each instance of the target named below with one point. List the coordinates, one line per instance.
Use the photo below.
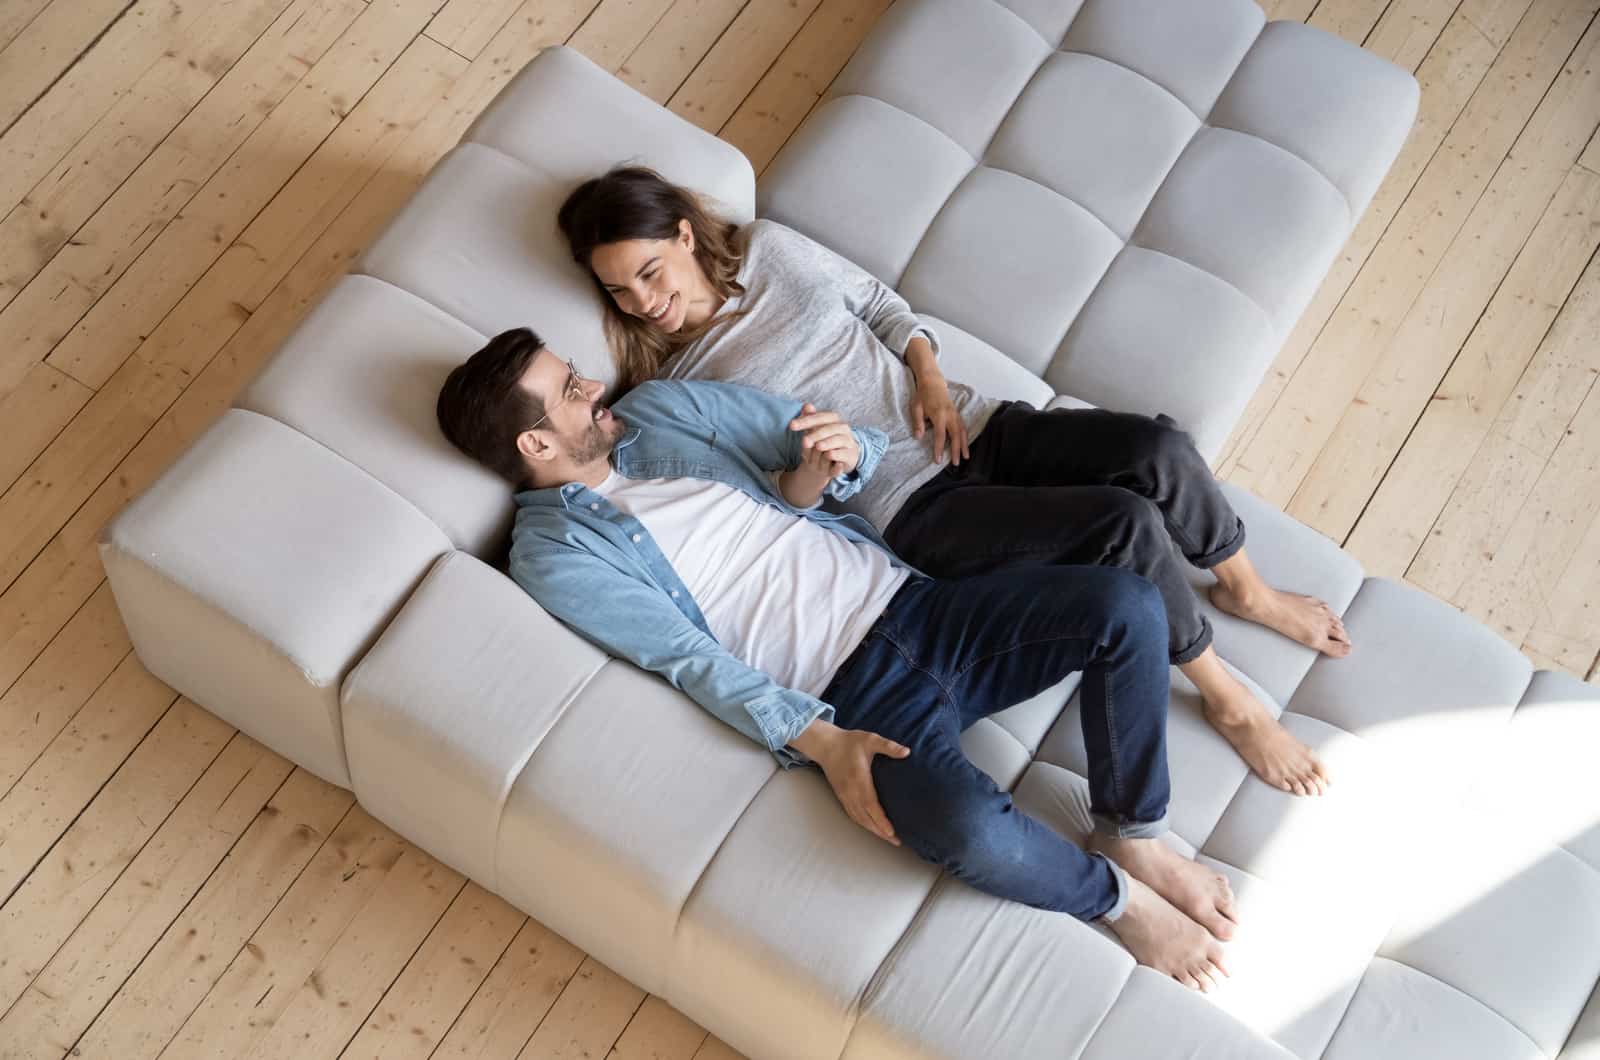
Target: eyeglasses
(573, 391)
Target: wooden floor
(181, 179)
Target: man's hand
(845, 756)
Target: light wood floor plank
(90, 856)
(440, 979)
(659, 1032)
(588, 1017)
(63, 780)
(615, 28)
(120, 230)
(1394, 396)
(467, 26)
(108, 945)
(741, 57)
(72, 106)
(1353, 20)
(1409, 29)
(75, 187)
(35, 607)
(1566, 629)
(325, 1009)
(51, 692)
(1416, 488)
(717, 1049)
(311, 118)
(676, 45)
(1347, 349)
(193, 953)
(1451, 70)
(312, 110)
(49, 45)
(1509, 591)
(1496, 485)
(520, 990)
(254, 984)
(788, 91)
(34, 413)
(16, 15)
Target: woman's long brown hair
(633, 202)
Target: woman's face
(656, 280)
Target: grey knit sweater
(820, 329)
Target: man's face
(576, 427)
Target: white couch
(1134, 200)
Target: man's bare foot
(1271, 752)
(1303, 619)
(1206, 897)
(1161, 937)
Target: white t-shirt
(782, 594)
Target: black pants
(1077, 486)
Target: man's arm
(630, 619)
(758, 424)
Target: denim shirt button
(637, 539)
(674, 594)
(594, 507)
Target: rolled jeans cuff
(1197, 647)
(1120, 829)
(1227, 551)
(1121, 903)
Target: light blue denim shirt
(598, 570)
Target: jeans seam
(915, 667)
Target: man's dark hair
(482, 406)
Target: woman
(690, 296)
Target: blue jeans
(946, 653)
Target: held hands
(845, 756)
(828, 446)
(932, 407)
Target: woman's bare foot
(1303, 619)
(1271, 752)
(1161, 937)
(1204, 896)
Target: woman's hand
(845, 756)
(932, 408)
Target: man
(681, 532)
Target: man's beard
(595, 443)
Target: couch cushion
(1427, 686)
(1096, 133)
(609, 829)
(361, 375)
(876, 218)
(256, 571)
(1342, 110)
(1400, 1013)
(535, 116)
(965, 358)
(479, 241)
(443, 714)
(787, 927)
(954, 64)
(988, 960)
(999, 242)
(1546, 771)
(1161, 335)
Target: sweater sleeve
(864, 295)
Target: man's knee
(1158, 442)
(947, 817)
(1141, 532)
